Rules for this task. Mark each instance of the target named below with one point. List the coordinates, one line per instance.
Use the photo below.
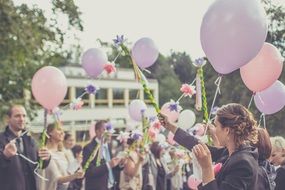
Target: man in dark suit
(100, 175)
(15, 172)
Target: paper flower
(76, 104)
(199, 62)
(156, 125)
(109, 128)
(188, 90)
(110, 68)
(174, 106)
(56, 112)
(90, 89)
(119, 40)
(152, 119)
(136, 134)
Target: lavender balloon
(272, 99)
(144, 52)
(93, 61)
(232, 33)
(136, 108)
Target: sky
(171, 24)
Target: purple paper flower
(119, 40)
(152, 118)
(136, 136)
(174, 106)
(199, 62)
(109, 126)
(57, 112)
(143, 111)
(90, 89)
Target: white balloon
(160, 138)
(135, 109)
(186, 119)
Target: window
(85, 98)
(101, 97)
(134, 94)
(118, 96)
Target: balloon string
(262, 102)
(43, 137)
(250, 102)
(218, 90)
(180, 97)
(34, 163)
(262, 117)
(217, 83)
(120, 52)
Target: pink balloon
(170, 139)
(232, 33)
(144, 52)
(263, 70)
(172, 115)
(272, 99)
(193, 183)
(93, 62)
(135, 109)
(49, 86)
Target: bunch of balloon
(49, 87)
(231, 34)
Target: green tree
(28, 41)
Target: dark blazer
(280, 178)
(96, 177)
(15, 172)
(238, 171)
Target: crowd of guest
(249, 158)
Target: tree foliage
(28, 41)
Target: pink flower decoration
(188, 90)
(156, 125)
(217, 168)
(152, 132)
(76, 104)
(110, 67)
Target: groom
(100, 175)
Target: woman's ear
(228, 131)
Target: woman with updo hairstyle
(236, 129)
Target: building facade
(110, 102)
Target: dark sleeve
(238, 177)
(188, 141)
(93, 170)
(35, 148)
(4, 161)
(280, 179)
